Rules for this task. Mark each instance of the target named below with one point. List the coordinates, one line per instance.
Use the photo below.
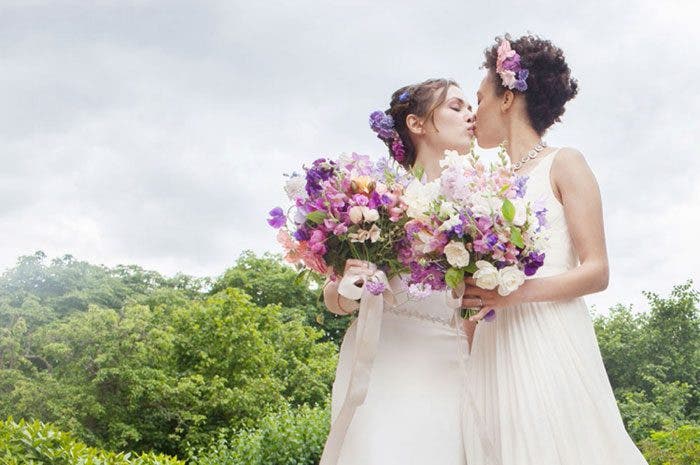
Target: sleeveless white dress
(536, 374)
(412, 412)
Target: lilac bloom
(532, 263)
(382, 124)
(512, 64)
(321, 170)
(375, 287)
(277, 218)
(301, 234)
(541, 218)
(375, 200)
(521, 186)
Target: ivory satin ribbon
(369, 322)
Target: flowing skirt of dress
(412, 412)
(537, 374)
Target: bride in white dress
(411, 413)
(536, 372)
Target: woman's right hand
(339, 304)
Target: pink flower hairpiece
(509, 69)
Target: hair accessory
(508, 67)
(383, 125)
(403, 98)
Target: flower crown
(383, 125)
(508, 67)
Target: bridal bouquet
(471, 221)
(344, 208)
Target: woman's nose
(469, 117)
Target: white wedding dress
(412, 412)
(536, 374)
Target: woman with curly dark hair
(535, 373)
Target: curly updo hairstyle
(420, 100)
(549, 84)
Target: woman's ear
(507, 101)
(414, 124)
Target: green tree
(268, 280)
(158, 378)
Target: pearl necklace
(532, 154)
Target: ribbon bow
(373, 289)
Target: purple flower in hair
(520, 83)
(382, 124)
(403, 98)
(512, 64)
(397, 149)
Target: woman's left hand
(488, 300)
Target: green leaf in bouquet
(316, 216)
(453, 277)
(504, 189)
(418, 172)
(508, 210)
(516, 237)
(301, 276)
(471, 268)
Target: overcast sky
(157, 132)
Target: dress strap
(545, 163)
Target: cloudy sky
(157, 132)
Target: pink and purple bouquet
(471, 221)
(344, 208)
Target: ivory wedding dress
(412, 411)
(536, 375)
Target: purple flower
(521, 186)
(512, 64)
(375, 287)
(532, 263)
(520, 86)
(541, 217)
(403, 98)
(458, 230)
(360, 199)
(375, 200)
(490, 316)
(317, 242)
(520, 83)
(320, 171)
(277, 218)
(382, 124)
(398, 149)
(301, 234)
(431, 274)
(484, 224)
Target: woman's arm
(576, 188)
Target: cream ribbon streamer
(369, 322)
(474, 419)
